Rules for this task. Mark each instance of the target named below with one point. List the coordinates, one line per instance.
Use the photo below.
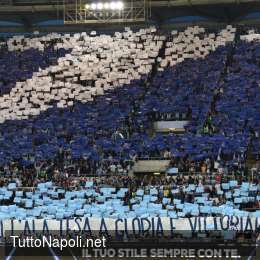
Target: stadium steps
(223, 75)
(250, 160)
(151, 166)
(161, 54)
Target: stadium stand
(48, 201)
(85, 105)
(18, 66)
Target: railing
(152, 158)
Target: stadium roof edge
(31, 14)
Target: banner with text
(121, 227)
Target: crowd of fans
(83, 109)
(174, 196)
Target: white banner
(138, 226)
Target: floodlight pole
(133, 11)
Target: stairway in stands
(250, 159)
(155, 165)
